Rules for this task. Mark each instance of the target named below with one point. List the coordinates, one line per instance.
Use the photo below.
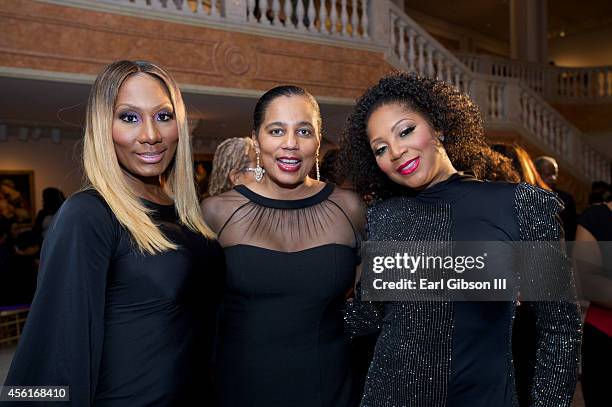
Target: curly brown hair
(449, 112)
(231, 154)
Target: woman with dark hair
(290, 243)
(404, 146)
(53, 198)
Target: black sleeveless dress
(290, 265)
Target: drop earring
(317, 166)
(259, 171)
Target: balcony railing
(556, 84)
(204, 9)
(347, 19)
(509, 103)
(411, 48)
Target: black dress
(290, 265)
(119, 327)
(597, 336)
(458, 354)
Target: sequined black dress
(290, 264)
(458, 354)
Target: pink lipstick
(152, 157)
(409, 166)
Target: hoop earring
(259, 171)
(317, 166)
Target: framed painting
(17, 196)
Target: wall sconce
(36, 133)
(56, 136)
(22, 135)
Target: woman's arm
(594, 285)
(360, 317)
(62, 340)
(558, 324)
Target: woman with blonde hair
(233, 160)
(522, 163)
(118, 315)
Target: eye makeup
(129, 117)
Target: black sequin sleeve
(362, 317)
(558, 328)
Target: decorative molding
(236, 61)
(42, 75)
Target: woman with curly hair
(403, 149)
(234, 159)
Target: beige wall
(466, 40)
(586, 49)
(54, 165)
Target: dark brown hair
(450, 113)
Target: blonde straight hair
(103, 173)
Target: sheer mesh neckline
(286, 225)
(312, 200)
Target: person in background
(6, 253)
(549, 171)
(53, 198)
(233, 161)
(201, 178)
(593, 256)
(522, 163)
(599, 190)
(328, 167)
